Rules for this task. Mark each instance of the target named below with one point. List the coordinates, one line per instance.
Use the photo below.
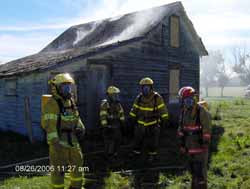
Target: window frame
(172, 97)
(10, 87)
(171, 42)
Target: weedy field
(229, 159)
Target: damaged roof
(98, 36)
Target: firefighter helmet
(62, 78)
(113, 90)
(186, 92)
(146, 81)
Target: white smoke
(140, 22)
(115, 18)
(123, 7)
(79, 36)
(82, 33)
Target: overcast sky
(29, 25)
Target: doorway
(174, 85)
(98, 80)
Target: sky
(27, 26)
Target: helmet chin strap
(55, 92)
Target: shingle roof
(110, 30)
(93, 37)
(46, 60)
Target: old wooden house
(160, 43)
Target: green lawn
(230, 157)
(228, 91)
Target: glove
(57, 145)
(183, 150)
(109, 126)
(206, 142)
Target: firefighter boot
(198, 184)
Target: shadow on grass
(17, 148)
(141, 172)
(217, 132)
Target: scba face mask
(146, 90)
(188, 102)
(114, 97)
(66, 90)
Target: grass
(229, 167)
(230, 152)
(26, 183)
(115, 181)
(228, 91)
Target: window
(10, 87)
(174, 31)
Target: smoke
(79, 36)
(139, 23)
(83, 32)
(115, 18)
(115, 9)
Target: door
(81, 93)
(98, 80)
(174, 85)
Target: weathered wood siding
(12, 116)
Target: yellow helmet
(62, 78)
(146, 81)
(112, 90)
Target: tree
(223, 77)
(241, 60)
(210, 69)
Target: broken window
(174, 31)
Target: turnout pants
(112, 140)
(148, 137)
(64, 158)
(198, 166)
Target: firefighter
(194, 134)
(61, 121)
(112, 121)
(147, 113)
